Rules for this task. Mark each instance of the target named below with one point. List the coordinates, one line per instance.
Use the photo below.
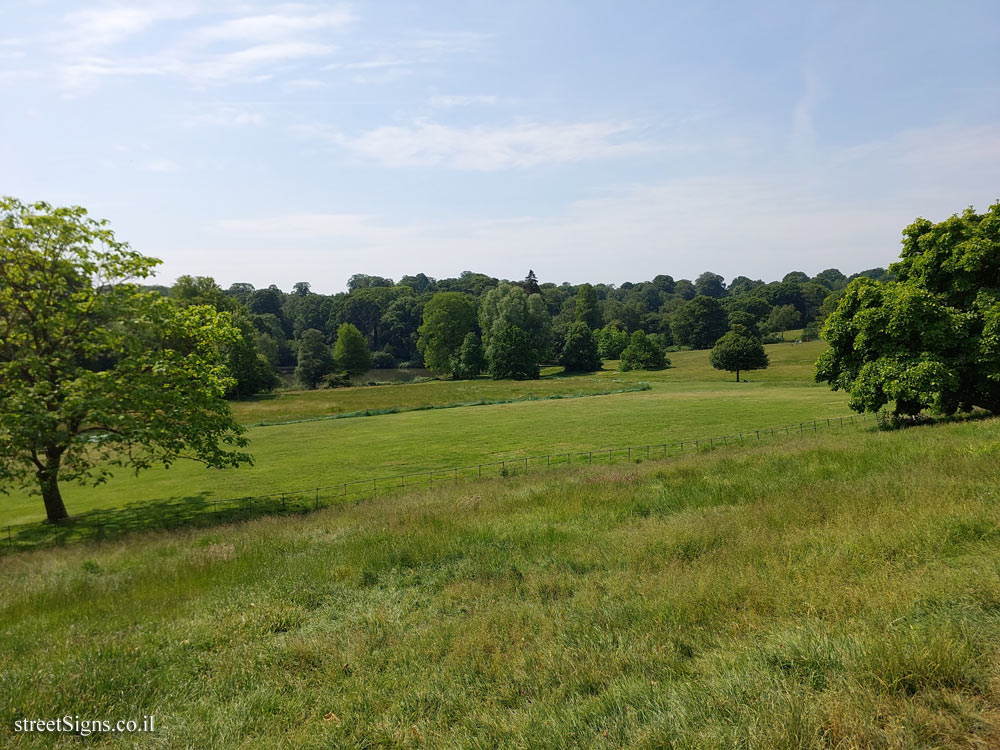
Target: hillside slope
(839, 591)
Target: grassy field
(689, 400)
(818, 593)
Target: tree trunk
(48, 480)
(737, 376)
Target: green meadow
(820, 592)
(686, 401)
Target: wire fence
(204, 511)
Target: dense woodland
(476, 324)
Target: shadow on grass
(193, 511)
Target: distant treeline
(390, 314)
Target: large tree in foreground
(930, 339)
(94, 372)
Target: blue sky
(591, 141)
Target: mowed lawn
(689, 400)
(814, 593)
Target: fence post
(456, 473)
(480, 471)
(590, 457)
(814, 425)
(525, 464)
(282, 502)
(724, 440)
(548, 460)
(610, 459)
(345, 489)
(373, 487)
(630, 454)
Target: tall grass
(813, 595)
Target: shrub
(383, 361)
(611, 340)
(643, 354)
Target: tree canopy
(930, 339)
(579, 351)
(642, 353)
(351, 353)
(447, 319)
(94, 371)
(738, 350)
(315, 358)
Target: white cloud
(780, 218)
(275, 26)
(488, 148)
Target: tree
(611, 340)
(579, 350)
(795, 277)
(783, 318)
(685, 289)
(710, 284)
(94, 371)
(511, 354)
(831, 278)
(642, 353)
(930, 339)
(587, 308)
(365, 281)
(351, 353)
(315, 359)
(470, 359)
(700, 323)
(508, 305)
(448, 318)
(530, 284)
(250, 369)
(738, 350)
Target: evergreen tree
(530, 284)
(510, 354)
(579, 351)
(315, 360)
(351, 352)
(739, 350)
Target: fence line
(98, 523)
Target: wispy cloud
(489, 148)
(96, 43)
